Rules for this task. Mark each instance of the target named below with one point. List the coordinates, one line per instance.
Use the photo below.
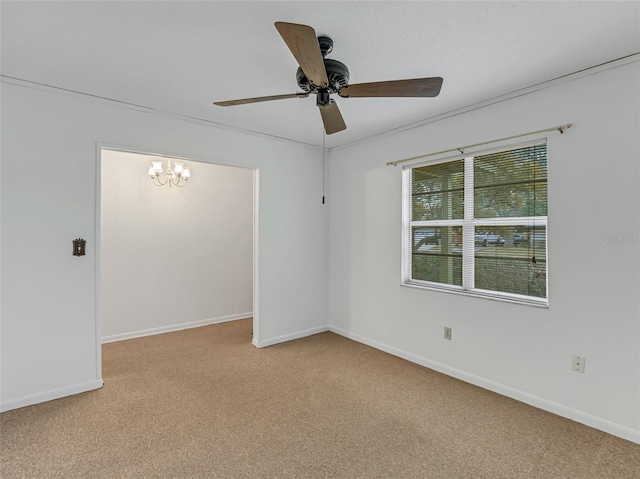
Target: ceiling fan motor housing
(337, 74)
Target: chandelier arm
(159, 182)
(181, 182)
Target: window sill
(541, 303)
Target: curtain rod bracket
(562, 128)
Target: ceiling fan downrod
(326, 45)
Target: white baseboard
(590, 420)
(289, 337)
(50, 395)
(174, 327)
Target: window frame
(468, 224)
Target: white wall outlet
(578, 363)
(447, 333)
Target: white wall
(49, 343)
(175, 257)
(521, 351)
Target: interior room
(173, 257)
(300, 234)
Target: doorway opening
(172, 257)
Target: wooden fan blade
(303, 43)
(332, 118)
(417, 87)
(260, 98)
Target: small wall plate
(78, 247)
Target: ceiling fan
(324, 77)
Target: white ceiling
(179, 57)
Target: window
(478, 224)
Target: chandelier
(174, 175)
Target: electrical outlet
(578, 363)
(447, 333)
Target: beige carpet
(204, 403)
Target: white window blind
(478, 224)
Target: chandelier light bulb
(157, 166)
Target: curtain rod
(461, 149)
